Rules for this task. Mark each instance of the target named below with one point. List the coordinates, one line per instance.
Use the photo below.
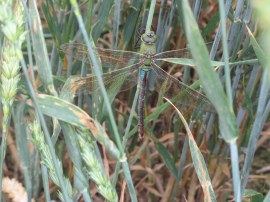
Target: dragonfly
(133, 68)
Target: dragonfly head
(149, 37)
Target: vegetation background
(57, 147)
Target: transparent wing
(180, 93)
(115, 81)
(179, 53)
(114, 59)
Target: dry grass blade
(198, 161)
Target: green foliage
(102, 153)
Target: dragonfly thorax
(148, 62)
(148, 49)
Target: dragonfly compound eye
(149, 37)
(151, 34)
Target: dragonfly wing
(115, 81)
(179, 92)
(112, 59)
(179, 53)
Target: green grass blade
(213, 88)
(40, 50)
(260, 53)
(166, 157)
(22, 146)
(96, 69)
(128, 177)
(150, 16)
(267, 197)
(45, 182)
(131, 21)
(233, 145)
(225, 54)
(127, 129)
(262, 103)
(164, 26)
(75, 155)
(209, 79)
(181, 167)
(89, 16)
(102, 18)
(46, 133)
(72, 114)
(116, 22)
(191, 63)
(49, 12)
(257, 127)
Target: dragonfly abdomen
(143, 75)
